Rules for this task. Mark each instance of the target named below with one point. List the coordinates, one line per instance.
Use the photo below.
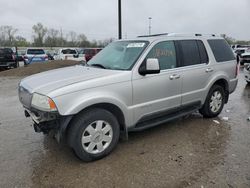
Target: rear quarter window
(35, 51)
(221, 50)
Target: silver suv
(130, 85)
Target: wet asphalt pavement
(189, 152)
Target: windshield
(120, 55)
(69, 51)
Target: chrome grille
(24, 96)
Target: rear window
(6, 51)
(35, 51)
(221, 50)
(69, 51)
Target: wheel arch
(224, 84)
(112, 108)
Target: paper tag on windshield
(136, 45)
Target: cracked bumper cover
(47, 121)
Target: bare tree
(7, 35)
(52, 38)
(83, 41)
(40, 32)
(21, 41)
(72, 38)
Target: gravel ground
(189, 152)
(37, 67)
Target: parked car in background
(34, 55)
(238, 50)
(8, 58)
(247, 73)
(90, 52)
(50, 54)
(20, 55)
(130, 85)
(245, 57)
(69, 54)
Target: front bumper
(48, 121)
(7, 64)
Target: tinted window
(35, 51)
(165, 53)
(69, 51)
(221, 50)
(202, 51)
(190, 52)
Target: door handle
(174, 76)
(209, 70)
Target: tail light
(25, 57)
(46, 56)
(237, 69)
(13, 57)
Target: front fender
(74, 103)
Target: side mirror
(151, 66)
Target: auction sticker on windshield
(136, 45)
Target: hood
(49, 81)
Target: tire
(248, 83)
(213, 108)
(88, 137)
(16, 65)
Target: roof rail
(179, 35)
(154, 35)
(191, 34)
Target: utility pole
(119, 20)
(149, 25)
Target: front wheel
(94, 134)
(214, 102)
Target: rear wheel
(16, 65)
(93, 134)
(214, 102)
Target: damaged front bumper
(47, 121)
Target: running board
(165, 117)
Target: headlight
(43, 102)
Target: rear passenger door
(196, 71)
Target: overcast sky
(97, 19)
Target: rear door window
(221, 50)
(190, 52)
(202, 52)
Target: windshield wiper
(98, 65)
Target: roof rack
(154, 35)
(179, 35)
(191, 34)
